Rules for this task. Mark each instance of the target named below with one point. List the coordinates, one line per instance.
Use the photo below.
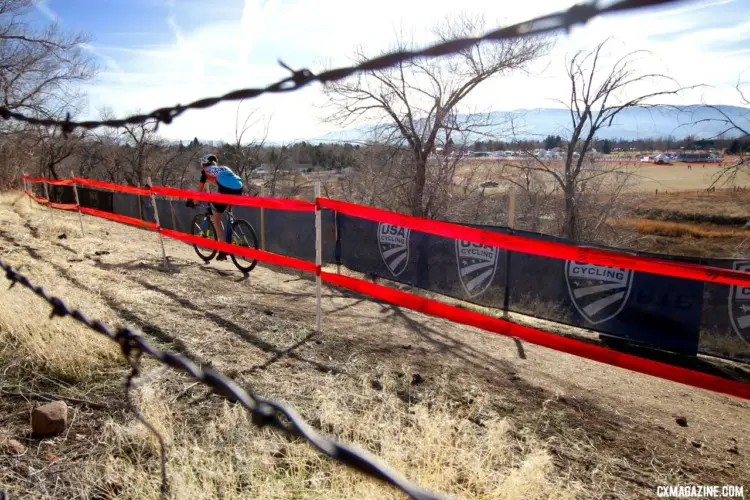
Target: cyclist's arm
(202, 182)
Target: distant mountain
(633, 123)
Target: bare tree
(416, 104)
(278, 161)
(40, 69)
(597, 96)
(740, 124)
(537, 191)
(52, 149)
(244, 154)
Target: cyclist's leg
(217, 213)
(219, 209)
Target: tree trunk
(420, 179)
(570, 229)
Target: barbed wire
(265, 412)
(561, 20)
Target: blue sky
(161, 52)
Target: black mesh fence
(662, 312)
(673, 314)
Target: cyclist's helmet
(208, 159)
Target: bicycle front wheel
(244, 235)
(203, 227)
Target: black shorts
(220, 207)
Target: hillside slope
(451, 407)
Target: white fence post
(78, 202)
(51, 210)
(158, 225)
(27, 188)
(318, 256)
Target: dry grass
(722, 344)
(679, 229)
(459, 445)
(722, 202)
(436, 443)
(63, 348)
(481, 424)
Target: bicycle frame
(227, 225)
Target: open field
(648, 177)
(449, 406)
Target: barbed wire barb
(578, 14)
(265, 412)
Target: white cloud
(41, 6)
(213, 57)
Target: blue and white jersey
(222, 176)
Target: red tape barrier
(111, 187)
(435, 308)
(551, 249)
(64, 206)
(542, 338)
(37, 199)
(230, 199)
(60, 182)
(119, 218)
(35, 179)
(271, 258)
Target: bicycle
(238, 232)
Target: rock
(268, 312)
(407, 346)
(12, 447)
(696, 443)
(101, 252)
(681, 421)
(375, 384)
(50, 419)
(62, 236)
(416, 379)
(734, 450)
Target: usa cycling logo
(476, 266)
(599, 293)
(393, 242)
(739, 305)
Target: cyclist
(227, 182)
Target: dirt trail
(609, 428)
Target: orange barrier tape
(119, 218)
(550, 249)
(229, 199)
(112, 187)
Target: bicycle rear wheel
(203, 227)
(244, 235)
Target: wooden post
(46, 194)
(506, 298)
(140, 209)
(510, 223)
(336, 240)
(158, 225)
(512, 207)
(78, 203)
(318, 257)
(171, 210)
(262, 220)
(27, 188)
